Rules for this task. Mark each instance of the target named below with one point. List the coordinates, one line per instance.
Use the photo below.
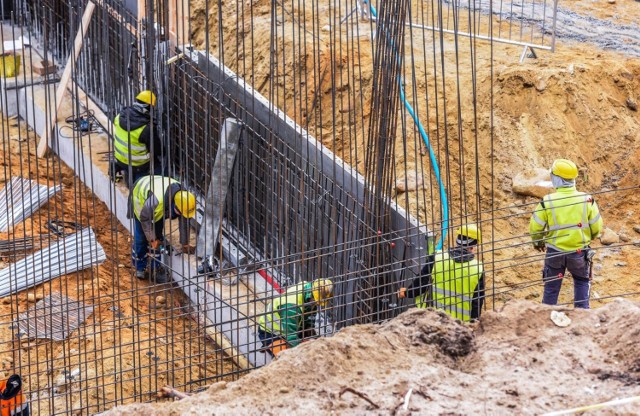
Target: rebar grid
(295, 208)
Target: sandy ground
(515, 361)
(139, 337)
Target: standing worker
(452, 281)
(290, 318)
(565, 222)
(136, 140)
(154, 199)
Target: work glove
(540, 246)
(402, 293)
(155, 244)
(187, 249)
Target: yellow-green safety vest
(125, 140)
(453, 286)
(568, 221)
(156, 184)
(271, 320)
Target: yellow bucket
(9, 65)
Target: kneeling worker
(291, 316)
(154, 199)
(452, 281)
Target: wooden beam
(43, 145)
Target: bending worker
(154, 199)
(564, 223)
(12, 400)
(452, 281)
(290, 318)
(136, 139)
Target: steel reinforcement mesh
(293, 211)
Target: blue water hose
(432, 155)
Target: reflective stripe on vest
(127, 147)
(453, 286)
(271, 320)
(569, 221)
(156, 184)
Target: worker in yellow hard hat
(136, 142)
(290, 318)
(563, 224)
(154, 199)
(452, 281)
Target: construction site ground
(575, 103)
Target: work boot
(160, 276)
(142, 274)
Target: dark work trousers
(140, 246)
(267, 339)
(556, 263)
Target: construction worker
(290, 318)
(12, 401)
(452, 281)
(136, 139)
(564, 223)
(154, 199)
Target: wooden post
(43, 145)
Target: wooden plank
(43, 145)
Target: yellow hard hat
(322, 290)
(147, 97)
(470, 231)
(564, 168)
(186, 203)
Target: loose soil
(515, 361)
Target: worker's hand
(540, 246)
(155, 244)
(402, 293)
(278, 346)
(188, 249)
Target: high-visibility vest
(127, 147)
(12, 401)
(271, 321)
(156, 184)
(453, 286)
(566, 219)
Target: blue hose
(432, 155)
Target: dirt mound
(514, 361)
